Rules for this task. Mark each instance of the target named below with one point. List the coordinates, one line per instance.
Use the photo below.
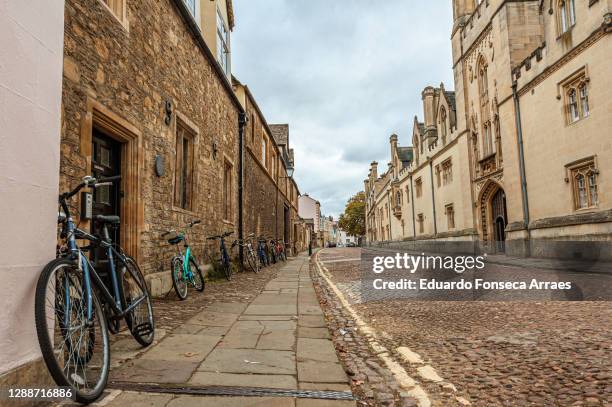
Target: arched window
(443, 125)
(398, 198)
(487, 132)
(584, 99)
(483, 80)
(572, 105)
(566, 15)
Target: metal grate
(231, 391)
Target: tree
(352, 221)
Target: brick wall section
(132, 73)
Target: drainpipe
(412, 205)
(433, 197)
(519, 131)
(390, 228)
(242, 120)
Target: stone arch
(488, 213)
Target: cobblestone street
(466, 353)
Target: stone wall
(129, 71)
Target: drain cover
(231, 391)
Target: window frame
(577, 85)
(447, 171)
(184, 174)
(223, 42)
(587, 169)
(228, 190)
(449, 209)
(566, 16)
(418, 184)
(113, 9)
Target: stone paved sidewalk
(279, 340)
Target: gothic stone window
(421, 222)
(398, 199)
(488, 146)
(566, 16)
(418, 186)
(443, 128)
(450, 216)
(447, 171)
(408, 194)
(264, 150)
(576, 97)
(584, 184)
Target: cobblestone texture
(495, 353)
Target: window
(447, 172)
(421, 222)
(576, 93)
(398, 199)
(443, 125)
(264, 151)
(183, 177)
(273, 165)
(191, 5)
(223, 49)
(450, 216)
(118, 8)
(566, 15)
(408, 194)
(438, 181)
(418, 185)
(252, 128)
(584, 184)
(227, 191)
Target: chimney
(393, 141)
(462, 8)
(374, 169)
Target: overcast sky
(345, 75)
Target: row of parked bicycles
(79, 301)
(186, 271)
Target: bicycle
(249, 253)
(224, 261)
(271, 250)
(71, 323)
(184, 267)
(262, 252)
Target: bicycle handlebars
(89, 181)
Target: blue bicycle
(184, 267)
(224, 262)
(71, 322)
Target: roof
(280, 132)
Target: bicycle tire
(227, 269)
(143, 334)
(252, 261)
(176, 266)
(46, 343)
(197, 276)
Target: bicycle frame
(114, 299)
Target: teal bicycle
(184, 267)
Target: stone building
(310, 208)
(271, 194)
(148, 94)
(489, 156)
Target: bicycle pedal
(143, 329)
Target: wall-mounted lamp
(168, 112)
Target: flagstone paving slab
(324, 403)
(312, 321)
(287, 382)
(220, 401)
(317, 333)
(183, 347)
(249, 361)
(155, 371)
(283, 309)
(325, 372)
(133, 399)
(213, 319)
(316, 349)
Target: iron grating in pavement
(231, 391)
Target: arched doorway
(498, 211)
(494, 218)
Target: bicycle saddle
(176, 240)
(110, 219)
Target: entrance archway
(494, 218)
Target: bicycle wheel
(75, 349)
(227, 267)
(140, 319)
(252, 261)
(198, 279)
(180, 286)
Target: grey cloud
(344, 74)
